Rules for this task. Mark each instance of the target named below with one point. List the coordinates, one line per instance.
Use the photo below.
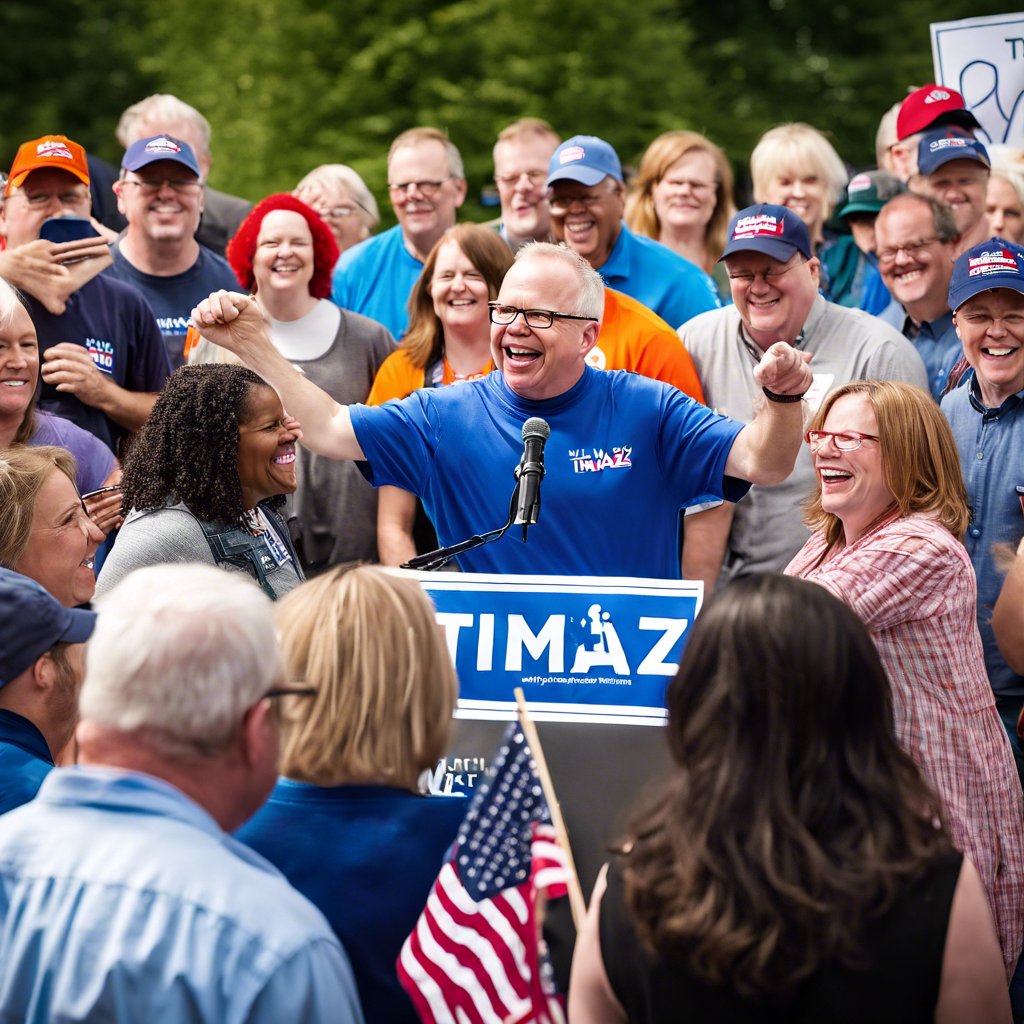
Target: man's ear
(117, 187)
(257, 734)
(589, 339)
(44, 672)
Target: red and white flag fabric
(476, 955)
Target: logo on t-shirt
(102, 353)
(594, 460)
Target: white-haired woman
(340, 196)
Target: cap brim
(17, 180)
(960, 118)
(773, 247)
(988, 283)
(583, 175)
(947, 156)
(137, 165)
(862, 207)
(83, 622)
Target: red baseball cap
(48, 151)
(932, 106)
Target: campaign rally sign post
(983, 59)
(593, 656)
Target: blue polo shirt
(25, 760)
(938, 346)
(676, 289)
(375, 278)
(991, 447)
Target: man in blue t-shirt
(427, 186)
(587, 197)
(42, 662)
(161, 193)
(103, 359)
(624, 455)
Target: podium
(593, 656)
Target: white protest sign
(983, 59)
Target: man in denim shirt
(122, 896)
(987, 416)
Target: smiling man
(987, 416)
(621, 445)
(521, 157)
(954, 169)
(427, 185)
(917, 241)
(774, 281)
(161, 193)
(587, 198)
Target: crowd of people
(809, 398)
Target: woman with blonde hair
(339, 195)
(795, 166)
(889, 511)
(682, 197)
(346, 823)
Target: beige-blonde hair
(659, 156)
(414, 136)
(23, 471)
(919, 457)
(369, 642)
(793, 148)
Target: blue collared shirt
(991, 447)
(123, 900)
(25, 760)
(676, 289)
(938, 346)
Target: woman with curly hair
(794, 867)
(201, 479)
(682, 197)
(284, 254)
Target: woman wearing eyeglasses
(889, 511)
(340, 196)
(448, 341)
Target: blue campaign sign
(582, 648)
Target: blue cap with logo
(766, 228)
(159, 147)
(996, 263)
(938, 148)
(586, 159)
(31, 622)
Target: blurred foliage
(288, 85)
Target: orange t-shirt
(397, 378)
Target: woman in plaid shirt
(889, 512)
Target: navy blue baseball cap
(31, 622)
(766, 228)
(938, 148)
(159, 147)
(996, 263)
(586, 159)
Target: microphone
(530, 471)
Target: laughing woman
(202, 479)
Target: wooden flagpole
(577, 903)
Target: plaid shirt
(913, 586)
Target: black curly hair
(188, 449)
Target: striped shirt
(913, 586)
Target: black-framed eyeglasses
(151, 186)
(289, 691)
(540, 319)
(844, 440)
(426, 188)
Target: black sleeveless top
(901, 984)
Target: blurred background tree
(288, 85)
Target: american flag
(476, 955)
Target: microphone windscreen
(536, 427)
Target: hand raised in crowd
(52, 271)
(784, 370)
(70, 368)
(103, 507)
(232, 320)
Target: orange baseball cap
(48, 151)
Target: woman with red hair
(284, 254)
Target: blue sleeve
(315, 984)
(694, 448)
(399, 440)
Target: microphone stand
(431, 561)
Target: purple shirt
(94, 459)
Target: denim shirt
(938, 346)
(991, 447)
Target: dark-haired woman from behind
(793, 868)
(204, 478)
